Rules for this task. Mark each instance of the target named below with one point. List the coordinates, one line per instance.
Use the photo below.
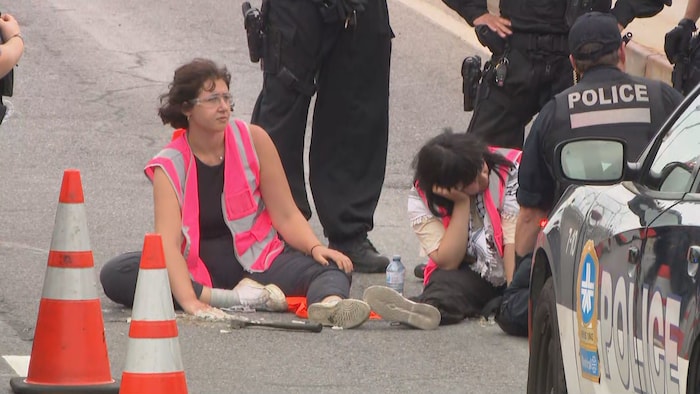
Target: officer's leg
(350, 128)
(556, 78)
(501, 112)
(292, 45)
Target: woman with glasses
(220, 200)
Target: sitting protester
(463, 210)
(220, 199)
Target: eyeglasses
(214, 100)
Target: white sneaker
(263, 298)
(392, 306)
(347, 313)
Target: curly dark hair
(449, 159)
(188, 81)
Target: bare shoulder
(261, 141)
(259, 135)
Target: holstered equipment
(471, 75)
(253, 22)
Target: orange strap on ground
(297, 305)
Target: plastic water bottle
(395, 274)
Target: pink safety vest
(255, 241)
(493, 202)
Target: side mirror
(597, 161)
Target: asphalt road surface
(86, 94)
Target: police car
(614, 285)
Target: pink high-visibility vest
(255, 241)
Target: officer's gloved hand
(677, 41)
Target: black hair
(449, 159)
(188, 81)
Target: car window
(673, 167)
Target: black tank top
(215, 239)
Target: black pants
(513, 312)
(294, 272)
(458, 294)
(349, 69)
(533, 78)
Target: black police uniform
(606, 102)
(346, 64)
(537, 64)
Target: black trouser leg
(294, 34)
(300, 275)
(118, 277)
(350, 127)
(457, 294)
(513, 311)
(286, 128)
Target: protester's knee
(117, 275)
(107, 280)
(330, 282)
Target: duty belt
(540, 42)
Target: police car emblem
(587, 312)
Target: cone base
(19, 386)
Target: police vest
(255, 241)
(628, 107)
(493, 203)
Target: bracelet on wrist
(311, 251)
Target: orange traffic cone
(153, 363)
(69, 353)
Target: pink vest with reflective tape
(255, 241)
(493, 201)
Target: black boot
(419, 271)
(365, 257)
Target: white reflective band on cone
(146, 355)
(70, 232)
(70, 284)
(157, 302)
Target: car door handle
(693, 260)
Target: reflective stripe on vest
(494, 197)
(255, 241)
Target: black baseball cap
(598, 29)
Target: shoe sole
(348, 313)
(392, 306)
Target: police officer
(606, 102)
(682, 51)
(530, 64)
(340, 51)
